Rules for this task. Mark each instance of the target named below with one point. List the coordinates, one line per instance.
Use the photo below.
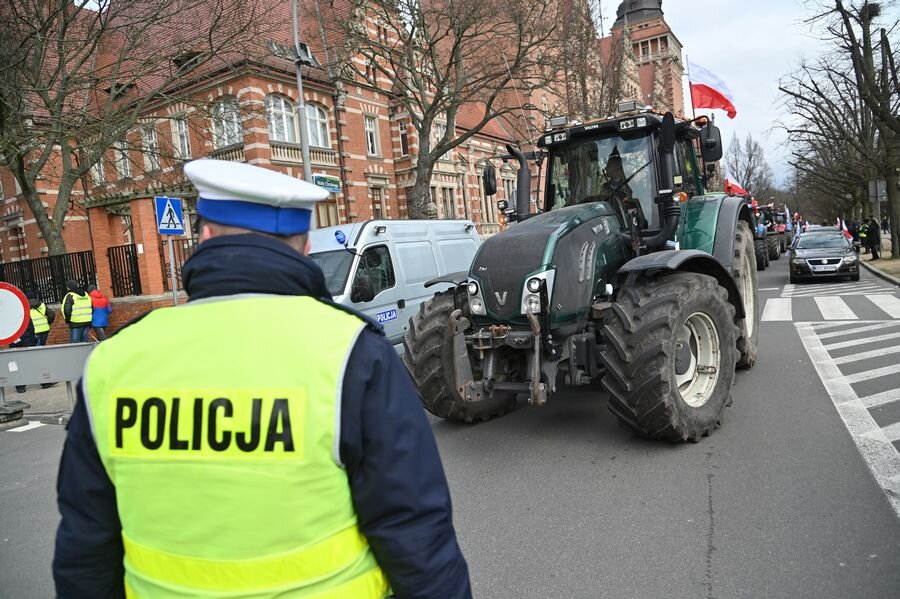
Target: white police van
(380, 267)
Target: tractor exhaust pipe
(670, 211)
(523, 183)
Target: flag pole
(690, 88)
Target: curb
(882, 275)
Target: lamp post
(299, 61)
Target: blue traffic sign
(169, 216)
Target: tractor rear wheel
(762, 254)
(772, 244)
(670, 354)
(748, 284)
(428, 355)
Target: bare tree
(748, 165)
(77, 77)
(485, 55)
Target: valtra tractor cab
(629, 273)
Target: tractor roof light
(558, 121)
(626, 106)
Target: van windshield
(336, 266)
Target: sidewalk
(50, 406)
(885, 268)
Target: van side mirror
(710, 143)
(489, 180)
(363, 289)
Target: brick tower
(657, 52)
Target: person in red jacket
(101, 310)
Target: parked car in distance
(380, 267)
(822, 254)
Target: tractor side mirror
(710, 143)
(489, 180)
(667, 134)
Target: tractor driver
(617, 191)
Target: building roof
(635, 11)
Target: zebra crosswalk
(829, 289)
(859, 364)
(815, 308)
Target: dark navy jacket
(392, 463)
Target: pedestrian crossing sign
(169, 216)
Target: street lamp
(300, 59)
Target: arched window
(282, 125)
(227, 127)
(317, 121)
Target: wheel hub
(697, 357)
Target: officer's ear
(307, 247)
(206, 232)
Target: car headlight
(851, 259)
(472, 288)
(476, 305)
(798, 261)
(533, 304)
(534, 285)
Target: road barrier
(36, 365)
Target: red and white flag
(709, 91)
(731, 185)
(844, 229)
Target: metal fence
(123, 268)
(183, 248)
(47, 276)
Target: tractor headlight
(472, 288)
(476, 305)
(535, 285)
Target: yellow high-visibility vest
(82, 309)
(224, 455)
(39, 318)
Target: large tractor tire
(782, 242)
(748, 284)
(428, 355)
(671, 349)
(773, 245)
(762, 254)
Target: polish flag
(731, 186)
(708, 91)
(845, 231)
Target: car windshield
(822, 241)
(603, 169)
(336, 266)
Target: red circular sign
(15, 313)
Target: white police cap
(252, 197)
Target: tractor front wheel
(428, 355)
(670, 354)
(748, 284)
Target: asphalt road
(561, 502)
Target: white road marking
(868, 340)
(27, 427)
(892, 432)
(868, 375)
(879, 399)
(887, 303)
(821, 326)
(879, 454)
(847, 289)
(871, 327)
(777, 309)
(834, 308)
(875, 353)
(768, 288)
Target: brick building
(362, 144)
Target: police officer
(258, 441)
(863, 236)
(41, 316)
(77, 311)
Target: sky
(750, 45)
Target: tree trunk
(421, 204)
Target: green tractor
(631, 274)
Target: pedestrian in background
(77, 312)
(864, 236)
(875, 240)
(100, 312)
(297, 463)
(885, 228)
(28, 339)
(41, 316)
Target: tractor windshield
(612, 169)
